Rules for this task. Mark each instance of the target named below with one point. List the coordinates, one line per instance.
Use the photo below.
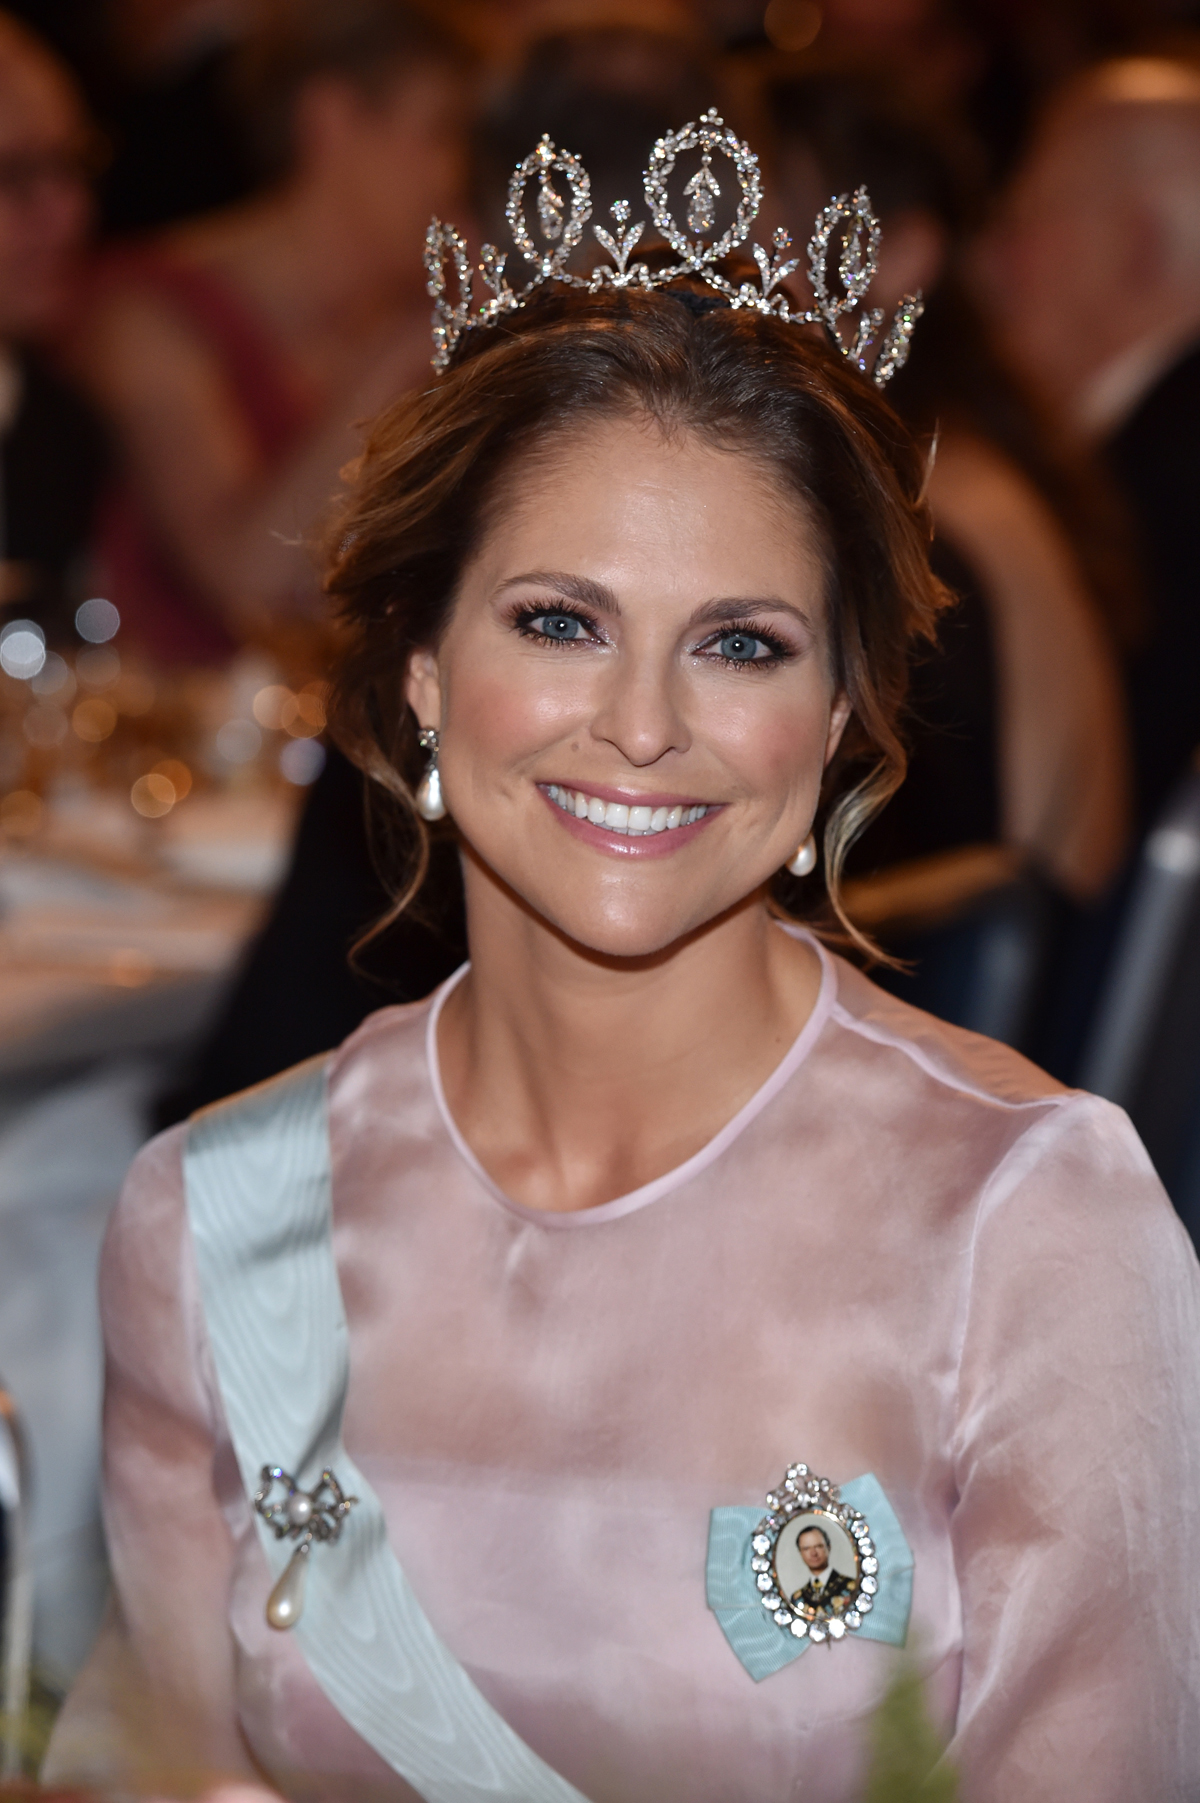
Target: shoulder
(957, 1092)
(144, 1229)
(945, 1056)
(369, 1076)
(1055, 1183)
(142, 333)
(400, 1024)
(153, 1325)
(391, 1045)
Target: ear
(839, 714)
(423, 688)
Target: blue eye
(558, 626)
(740, 647)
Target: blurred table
(115, 950)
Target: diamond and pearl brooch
(304, 1516)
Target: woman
(233, 354)
(656, 1200)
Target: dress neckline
(636, 1199)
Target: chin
(625, 935)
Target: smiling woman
(744, 451)
(447, 1374)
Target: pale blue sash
(258, 1196)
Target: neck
(577, 1078)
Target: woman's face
(634, 690)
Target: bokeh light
(22, 649)
(97, 621)
(238, 742)
(269, 704)
(153, 795)
(793, 25)
(98, 668)
(303, 715)
(94, 720)
(301, 761)
(54, 677)
(177, 774)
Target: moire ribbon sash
(733, 1597)
(258, 1195)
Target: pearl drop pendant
(285, 1605)
(430, 805)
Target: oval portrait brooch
(813, 1559)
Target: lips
(641, 827)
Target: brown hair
(368, 43)
(418, 504)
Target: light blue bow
(762, 1646)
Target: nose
(640, 710)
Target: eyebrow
(573, 588)
(597, 595)
(736, 607)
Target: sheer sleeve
(154, 1709)
(1078, 1472)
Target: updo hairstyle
(434, 465)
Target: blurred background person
(1015, 721)
(51, 444)
(604, 81)
(1092, 273)
(179, 143)
(234, 354)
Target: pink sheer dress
(910, 1254)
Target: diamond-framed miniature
(814, 1562)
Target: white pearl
(285, 1605)
(804, 861)
(299, 1509)
(430, 805)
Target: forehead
(624, 491)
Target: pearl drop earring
(430, 805)
(804, 862)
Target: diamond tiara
(562, 217)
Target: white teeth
(619, 817)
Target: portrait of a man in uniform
(825, 1589)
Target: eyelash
(524, 618)
(779, 653)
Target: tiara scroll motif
(563, 205)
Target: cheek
(775, 740)
(500, 711)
